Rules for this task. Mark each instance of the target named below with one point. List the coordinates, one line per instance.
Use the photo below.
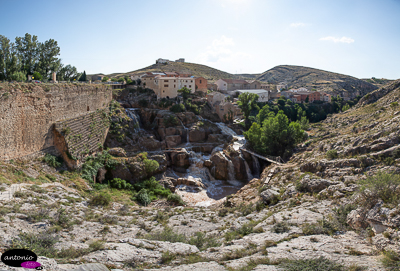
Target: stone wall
(78, 137)
(28, 113)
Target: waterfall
(256, 166)
(240, 140)
(248, 171)
(131, 112)
(186, 129)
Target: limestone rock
(118, 152)
(314, 185)
(270, 196)
(173, 141)
(220, 169)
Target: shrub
(167, 257)
(177, 108)
(150, 165)
(391, 260)
(332, 154)
(320, 263)
(120, 184)
(394, 104)
(167, 235)
(383, 185)
(42, 244)
(321, 227)
(100, 199)
(175, 198)
(143, 197)
(202, 242)
(52, 160)
(171, 121)
(281, 227)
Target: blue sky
(355, 37)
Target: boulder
(101, 175)
(356, 219)
(121, 171)
(118, 152)
(168, 183)
(270, 196)
(240, 168)
(149, 143)
(162, 161)
(314, 185)
(208, 163)
(173, 141)
(179, 158)
(380, 218)
(220, 169)
(197, 134)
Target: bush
(391, 260)
(177, 108)
(281, 227)
(100, 199)
(384, 186)
(52, 160)
(120, 184)
(202, 242)
(321, 227)
(171, 121)
(320, 263)
(332, 154)
(175, 198)
(167, 235)
(42, 244)
(143, 197)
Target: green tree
(121, 79)
(67, 73)
(48, 61)
(83, 77)
(247, 103)
(27, 50)
(105, 79)
(37, 76)
(345, 107)
(9, 62)
(277, 136)
(307, 100)
(185, 92)
(114, 79)
(18, 76)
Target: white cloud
(297, 25)
(221, 51)
(342, 39)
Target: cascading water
(186, 130)
(131, 112)
(248, 171)
(256, 166)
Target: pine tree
(83, 76)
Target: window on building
(163, 91)
(174, 86)
(191, 81)
(166, 81)
(190, 86)
(174, 81)
(165, 86)
(200, 81)
(185, 85)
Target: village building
(254, 84)
(201, 84)
(262, 93)
(226, 85)
(281, 86)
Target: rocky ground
(312, 210)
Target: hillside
(298, 76)
(197, 70)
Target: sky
(360, 38)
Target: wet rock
(240, 168)
(173, 141)
(197, 134)
(179, 158)
(220, 169)
(208, 163)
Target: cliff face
(28, 112)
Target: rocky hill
(298, 76)
(208, 73)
